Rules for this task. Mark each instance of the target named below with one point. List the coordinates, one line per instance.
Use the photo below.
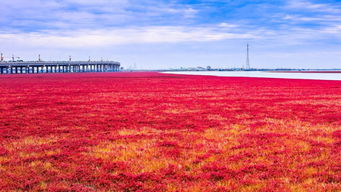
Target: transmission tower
(247, 56)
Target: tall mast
(247, 56)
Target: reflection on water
(319, 76)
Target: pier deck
(58, 67)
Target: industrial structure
(20, 67)
(247, 57)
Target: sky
(163, 34)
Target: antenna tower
(1, 57)
(247, 56)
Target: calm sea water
(264, 74)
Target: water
(264, 74)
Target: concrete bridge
(21, 67)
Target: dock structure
(23, 67)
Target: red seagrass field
(162, 132)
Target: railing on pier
(58, 67)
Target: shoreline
(265, 74)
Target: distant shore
(336, 71)
(312, 75)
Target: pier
(23, 67)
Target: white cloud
(81, 14)
(336, 30)
(97, 2)
(83, 38)
(227, 25)
(322, 18)
(317, 7)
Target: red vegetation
(159, 132)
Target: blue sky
(149, 34)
